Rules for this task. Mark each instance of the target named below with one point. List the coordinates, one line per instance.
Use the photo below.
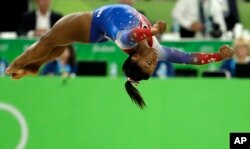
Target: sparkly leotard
(126, 27)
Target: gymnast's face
(147, 61)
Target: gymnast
(130, 30)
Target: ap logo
(239, 140)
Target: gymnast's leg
(74, 27)
(33, 68)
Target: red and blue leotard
(126, 27)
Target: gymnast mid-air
(130, 30)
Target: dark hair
(133, 71)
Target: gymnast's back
(108, 20)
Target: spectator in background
(130, 3)
(65, 65)
(196, 16)
(242, 51)
(38, 22)
(231, 13)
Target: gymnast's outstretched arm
(176, 56)
(71, 28)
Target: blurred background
(79, 99)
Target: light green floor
(96, 113)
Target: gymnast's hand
(226, 52)
(158, 28)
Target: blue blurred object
(55, 68)
(163, 70)
(229, 65)
(3, 66)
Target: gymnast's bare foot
(18, 71)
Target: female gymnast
(124, 25)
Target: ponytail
(134, 74)
(134, 94)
